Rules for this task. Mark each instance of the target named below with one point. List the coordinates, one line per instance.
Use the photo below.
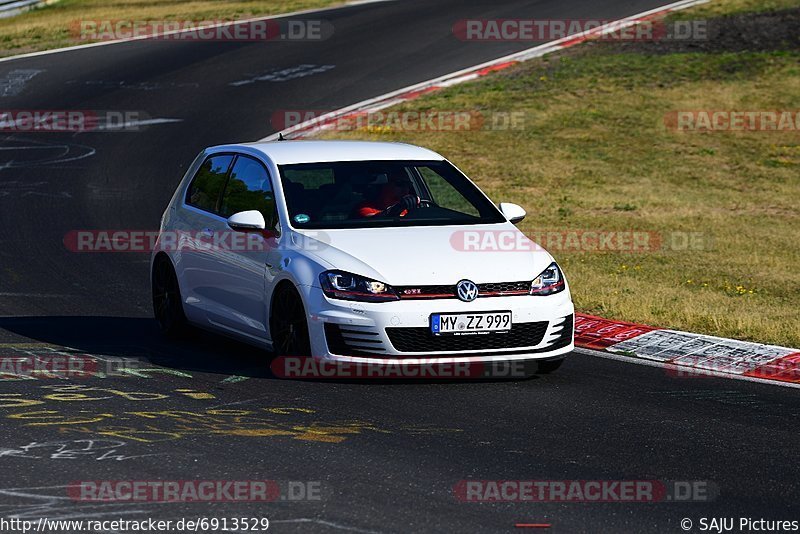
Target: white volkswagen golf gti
(356, 251)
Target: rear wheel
(547, 367)
(167, 304)
(288, 325)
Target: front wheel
(167, 304)
(288, 324)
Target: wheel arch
(283, 285)
(159, 257)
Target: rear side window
(249, 188)
(207, 184)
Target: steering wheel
(408, 203)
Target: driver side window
(445, 195)
(249, 188)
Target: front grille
(348, 340)
(494, 289)
(421, 339)
(505, 287)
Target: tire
(288, 324)
(549, 366)
(167, 302)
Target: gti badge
(467, 290)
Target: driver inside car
(394, 199)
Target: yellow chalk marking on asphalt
(50, 417)
(72, 397)
(168, 425)
(287, 411)
(13, 400)
(325, 434)
(255, 432)
(129, 433)
(229, 413)
(320, 438)
(77, 393)
(192, 394)
(8, 377)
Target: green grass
(594, 154)
(717, 8)
(53, 26)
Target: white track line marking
(219, 25)
(13, 83)
(285, 75)
(136, 124)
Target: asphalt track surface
(387, 455)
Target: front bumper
(398, 331)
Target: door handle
(208, 232)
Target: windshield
(364, 194)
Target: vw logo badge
(467, 290)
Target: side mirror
(513, 212)
(247, 221)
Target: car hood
(430, 255)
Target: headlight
(347, 286)
(551, 281)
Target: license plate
(470, 323)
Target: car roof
(291, 152)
